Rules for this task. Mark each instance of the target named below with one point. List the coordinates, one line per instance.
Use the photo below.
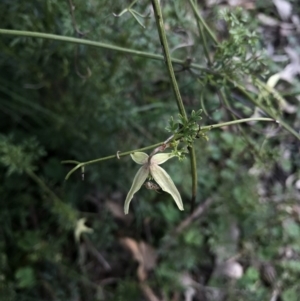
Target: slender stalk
(219, 125)
(204, 42)
(202, 35)
(168, 60)
(206, 50)
(194, 177)
(57, 201)
(165, 47)
(132, 4)
(199, 18)
(117, 155)
(43, 186)
(55, 37)
(253, 100)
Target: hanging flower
(150, 167)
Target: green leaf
(25, 277)
(291, 294)
(166, 184)
(137, 183)
(292, 229)
(291, 265)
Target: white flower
(159, 175)
(81, 228)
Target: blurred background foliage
(61, 101)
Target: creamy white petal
(139, 157)
(137, 183)
(161, 158)
(166, 183)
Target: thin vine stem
(253, 100)
(199, 18)
(219, 125)
(176, 137)
(43, 185)
(168, 60)
(194, 177)
(47, 36)
(202, 35)
(117, 155)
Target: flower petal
(81, 228)
(166, 183)
(137, 183)
(161, 158)
(139, 157)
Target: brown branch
(200, 210)
(196, 213)
(148, 292)
(93, 251)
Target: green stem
(219, 125)
(206, 52)
(67, 218)
(168, 60)
(54, 37)
(199, 18)
(204, 42)
(253, 100)
(194, 177)
(165, 47)
(43, 186)
(117, 155)
(202, 36)
(177, 137)
(131, 5)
